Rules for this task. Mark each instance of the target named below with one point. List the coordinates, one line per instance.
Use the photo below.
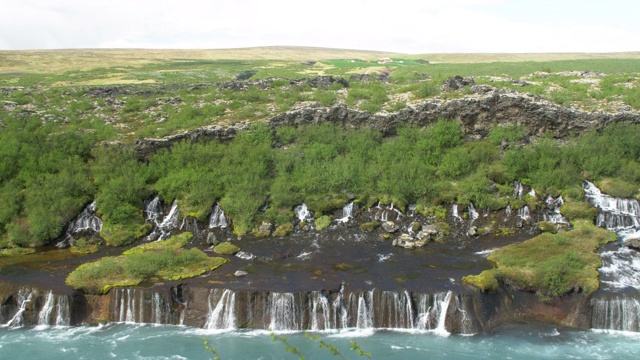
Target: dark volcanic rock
(478, 113)
(457, 83)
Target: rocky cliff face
(479, 111)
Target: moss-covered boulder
(550, 265)
(16, 251)
(283, 230)
(226, 248)
(369, 226)
(322, 222)
(547, 227)
(573, 210)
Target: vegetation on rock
(163, 260)
(551, 265)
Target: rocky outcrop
(478, 112)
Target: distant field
(56, 61)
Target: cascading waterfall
(44, 316)
(283, 312)
(217, 218)
(619, 312)
(87, 220)
(303, 214)
(347, 212)
(615, 214)
(320, 312)
(364, 318)
(454, 212)
(54, 304)
(221, 316)
(617, 305)
(24, 297)
(473, 214)
(387, 213)
(432, 312)
(524, 213)
(162, 226)
(160, 314)
(552, 214)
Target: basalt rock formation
(478, 112)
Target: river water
(128, 341)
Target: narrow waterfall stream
(617, 305)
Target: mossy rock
(226, 248)
(283, 230)
(175, 242)
(416, 226)
(549, 265)
(323, 222)
(444, 228)
(122, 235)
(16, 251)
(517, 204)
(326, 203)
(578, 210)
(85, 249)
(486, 281)
(546, 227)
(370, 226)
(261, 233)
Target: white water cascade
(303, 213)
(217, 218)
(384, 213)
(552, 213)
(524, 213)
(162, 225)
(432, 315)
(222, 315)
(283, 312)
(473, 214)
(87, 220)
(454, 212)
(24, 297)
(347, 212)
(365, 311)
(320, 312)
(54, 304)
(617, 307)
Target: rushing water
(121, 341)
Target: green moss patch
(370, 226)
(16, 251)
(167, 263)
(573, 210)
(618, 188)
(550, 265)
(323, 222)
(123, 234)
(175, 242)
(226, 248)
(85, 249)
(283, 230)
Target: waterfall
(63, 311)
(387, 213)
(44, 316)
(524, 213)
(320, 312)
(615, 214)
(126, 305)
(442, 318)
(365, 310)
(340, 314)
(162, 228)
(454, 212)
(507, 210)
(87, 220)
(347, 212)
(24, 297)
(432, 312)
(552, 213)
(222, 315)
(283, 312)
(518, 189)
(466, 322)
(397, 310)
(620, 313)
(303, 213)
(160, 310)
(473, 214)
(217, 218)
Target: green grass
(549, 265)
(157, 261)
